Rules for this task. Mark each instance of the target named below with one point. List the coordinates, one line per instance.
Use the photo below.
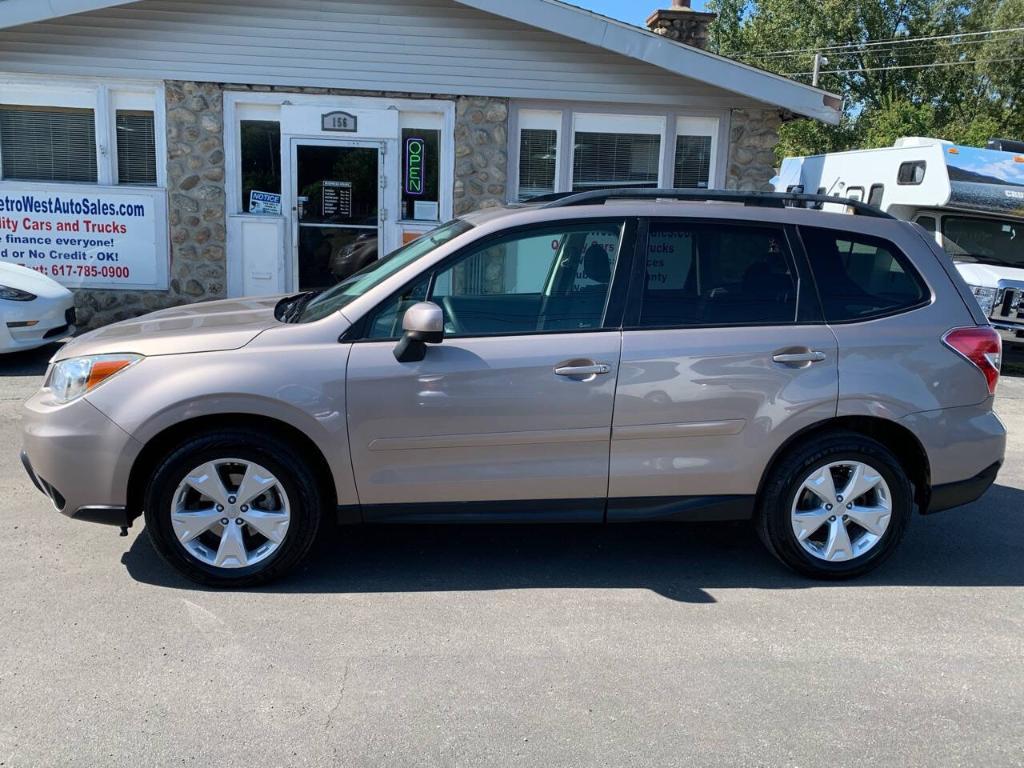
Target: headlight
(986, 297)
(75, 376)
(15, 294)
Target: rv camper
(971, 201)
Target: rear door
(725, 355)
(509, 417)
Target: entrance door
(337, 197)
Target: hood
(989, 274)
(206, 327)
(25, 279)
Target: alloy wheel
(841, 511)
(230, 513)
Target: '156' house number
(339, 121)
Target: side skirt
(695, 509)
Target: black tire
(774, 524)
(304, 496)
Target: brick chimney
(682, 24)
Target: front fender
(302, 386)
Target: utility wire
(915, 49)
(905, 66)
(873, 43)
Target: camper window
(855, 193)
(875, 195)
(911, 172)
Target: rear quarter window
(861, 277)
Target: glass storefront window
(604, 160)
(48, 143)
(136, 147)
(538, 161)
(261, 159)
(421, 170)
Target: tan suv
(608, 357)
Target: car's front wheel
(233, 509)
(836, 506)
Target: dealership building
(159, 152)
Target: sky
(632, 11)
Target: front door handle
(595, 369)
(799, 358)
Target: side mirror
(423, 324)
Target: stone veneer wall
(196, 191)
(752, 140)
(195, 210)
(481, 153)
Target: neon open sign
(415, 158)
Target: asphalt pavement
(525, 646)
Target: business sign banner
(86, 236)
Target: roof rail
(755, 199)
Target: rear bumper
(962, 492)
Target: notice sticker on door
(264, 203)
(337, 199)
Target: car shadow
(31, 362)
(980, 545)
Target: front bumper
(79, 458)
(105, 515)
(1011, 334)
(39, 322)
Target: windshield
(320, 305)
(987, 241)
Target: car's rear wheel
(835, 507)
(233, 509)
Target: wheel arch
(162, 443)
(901, 441)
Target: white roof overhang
(575, 23)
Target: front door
(511, 415)
(337, 197)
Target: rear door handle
(796, 358)
(597, 369)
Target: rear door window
(861, 277)
(721, 274)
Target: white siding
(411, 46)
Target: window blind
(136, 148)
(615, 160)
(693, 162)
(538, 152)
(47, 143)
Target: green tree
(956, 85)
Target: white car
(34, 310)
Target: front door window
(545, 280)
(337, 206)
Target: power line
(873, 43)
(916, 48)
(905, 66)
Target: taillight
(983, 346)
